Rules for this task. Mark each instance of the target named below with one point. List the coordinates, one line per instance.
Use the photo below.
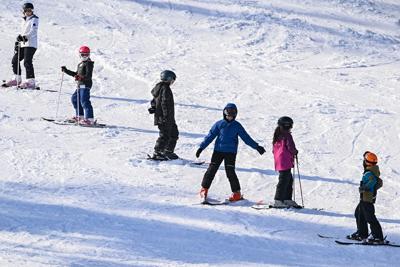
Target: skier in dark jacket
(365, 210)
(226, 131)
(81, 97)
(163, 108)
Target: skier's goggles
(26, 10)
(230, 112)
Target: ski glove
(63, 69)
(198, 152)
(78, 77)
(152, 110)
(260, 150)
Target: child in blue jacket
(226, 131)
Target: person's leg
(162, 139)
(173, 136)
(28, 62)
(230, 161)
(289, 188)
(362, 226)
(376, 229)
(85, 103)
(283, 184)
(216, 160)
(74, 100)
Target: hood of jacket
(374, 169)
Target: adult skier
(163, 108)
(81, 97)
(25, 48)
(365, 210)
(226, 131)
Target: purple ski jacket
(284, 151)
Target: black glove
(152, 110)
(260, 150)
(198, 152)
(63, 69)
(16, 46)
(362, 189)
(21, 38)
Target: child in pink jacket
(284, 150)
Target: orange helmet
(370, 158)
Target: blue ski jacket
(227, 137)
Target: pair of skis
(68, 122)
(349, 242)
(185, 161)
(4, 85)
(261, 206)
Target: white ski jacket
(30, 30)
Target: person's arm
(33, 28)
(369, 181)
(290, 145)
(214, 131)
(246, 137)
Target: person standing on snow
(25, 48)
(226, 131)
(284, 150)
(365, 210)
(163, 108)
(81, 97)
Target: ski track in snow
(73, 196)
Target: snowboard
(67, 122)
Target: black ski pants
(284, 188)
(216, 160)
(365, 213)
(167, 139)
(25, 54)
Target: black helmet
(27, 6)
(230, 110)
(167, 76)
(285, 122)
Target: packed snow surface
(74, 196)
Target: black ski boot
(171, 155)
(355, 236)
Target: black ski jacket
(85, 70)
(163, 103)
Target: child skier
(163, 108)
(284, 150)
(226, 131)
(81, 97)
(365, 210)
(25, 48)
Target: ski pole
(59, 93)
(18, 64)
(301, 190)
(293, 184)
(78, 103)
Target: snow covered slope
(88, 197)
